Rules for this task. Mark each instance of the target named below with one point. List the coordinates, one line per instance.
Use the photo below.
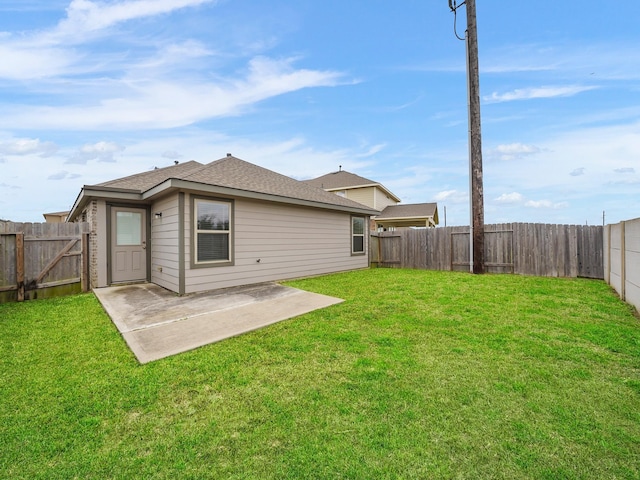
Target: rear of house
(193, 227)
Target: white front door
(128, 244)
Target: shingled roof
(340, 179)
(231, 172)
(343, 180)
(409, 210)
(414, 214)
(228, 176)
(146, 180)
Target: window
(212, 231)
(357, 235)
(128, 228)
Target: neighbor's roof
(343, 180)
(409, 210)
(58, 214)
(227, 176)
(415, 214)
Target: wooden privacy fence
(622, 259)
(39, 260)
(521, 248)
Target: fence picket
(521, 248)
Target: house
(192, 227)
(377, 196)
(409, 215)
(55, 217)
(357, 188)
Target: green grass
(417, 375)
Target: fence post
(84, 274)
(607, 254)
(20, 265)
(623, 260)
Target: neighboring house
(409, 215)
(55, 217)
(192, 227)
(375, 195)
(357, 188)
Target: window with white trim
(357, 235)
(212, 231)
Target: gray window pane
(212, 247)
(358, 225)
(358, 244)
(213, 216)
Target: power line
(454, 8)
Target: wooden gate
(39, 260)
(386, 250)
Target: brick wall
(90, 215)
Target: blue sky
(95, 90)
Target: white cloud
(101, 151)
(63, 175)
(57, 51)
(510, 198)
(513, 151)
(625, 170)
(546, 204)
(628, 181)
(171, 154)
(157, 103)
(453, 196)
(537, 92)
(85, 16)
(174, 55)
(20, 62)
(27, 146)
(577, 172)
(373, 150)
(613, 60)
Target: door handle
(144, 245)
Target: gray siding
(289, 241)
(164, 243)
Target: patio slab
(157, 323)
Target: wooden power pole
(475, 140)
(476, 194)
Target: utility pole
(476, 191)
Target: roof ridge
(237, 173)
(155, 171)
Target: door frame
(147, 209)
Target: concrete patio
(157, 323)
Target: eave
(90, 192)
(370, 185)
(418, 221)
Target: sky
(92, 90)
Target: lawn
(417, 374)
